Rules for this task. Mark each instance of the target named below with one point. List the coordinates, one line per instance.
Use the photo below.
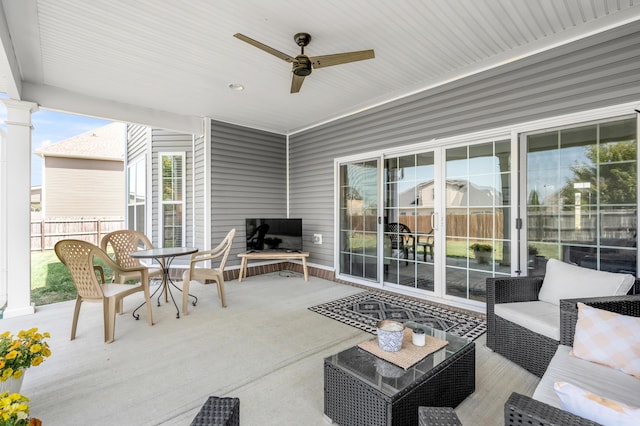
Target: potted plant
(14, 410)
(17, 353)
(482, 252)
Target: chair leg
(185, 294)
(76, 314)
(109, 309)
(147, 298)
(221, 292)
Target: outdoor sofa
(533, 349)
(543, 408)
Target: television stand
(272, 255)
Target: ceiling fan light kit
(303, 65)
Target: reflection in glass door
(359, 219)
(408, 235)
(477, 207)
(582, 196)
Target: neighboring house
(83, 176)
(36, 199)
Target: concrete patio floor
(265, 348)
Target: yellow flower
(14, 409)
(27, 349)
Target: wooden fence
(47, 232)
(478, 225)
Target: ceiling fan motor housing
(302, 66)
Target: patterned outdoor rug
(364, 310)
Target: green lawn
(455, 248)
(50, 279)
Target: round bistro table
(164, 257)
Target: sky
(50, 127)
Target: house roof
(104, 143)
(168, 63)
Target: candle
(418, 337)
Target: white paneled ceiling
(163, 58)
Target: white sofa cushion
(608, 338)
(593, 407)
(540, 317)
(565, 281)
(598, 379)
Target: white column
(15, 190)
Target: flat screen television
(274, 234)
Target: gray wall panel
(197, 206)
(136, 142)
(248, 174)
(596, 72)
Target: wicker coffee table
(362, 389)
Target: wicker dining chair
(79, 256)
(123, 242)
(207, 273)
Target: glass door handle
(433, 221)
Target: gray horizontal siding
(248, 174)
(136, 142)
(198, 196)
(596, 72)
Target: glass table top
(389, 378)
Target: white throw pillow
(595, 408)
(565, 281)
(608, 338)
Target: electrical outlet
(317, 238)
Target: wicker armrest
(523, 410)
(513, 289)
(625, 305)
(506, 290)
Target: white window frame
(132, 173)
(162, 203)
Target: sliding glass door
(408, 235)
(477, 213)
(582, 196)
(358, 217)
(444, 227)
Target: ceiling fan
(303, 64)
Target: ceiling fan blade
(341, 58)
(296, 83)
(264, 47)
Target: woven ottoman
(438, 416)
(218, 412)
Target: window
(581, 196)
(137, 196)
(172, 199)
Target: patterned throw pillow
(608, 338)
(595, 408)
